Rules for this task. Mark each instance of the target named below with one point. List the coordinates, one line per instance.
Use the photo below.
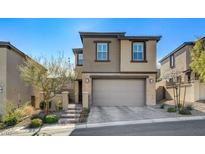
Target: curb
(34, 130)
(146, 121)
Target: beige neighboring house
(115, 69)
(12, 87)
(178, 61)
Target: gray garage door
(118, 92)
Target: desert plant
(42, 105)
(35, 123)
(59, 105)
(40, 115)
(25, 110)
(50, 77)
(189, 107)
(10, 120)
(185, 111)
(84, 115)
(2, 126)
(51, 119)
(162, 106)
(171, 109)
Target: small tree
(50, 77)
(198, 59)
(174, 78)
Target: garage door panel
(118, 92)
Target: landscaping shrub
(42, 105)
(162, 106)
(35, 123)
(40, 115)
(59, 106)
(84, 115)
(51, 119)
(27, 110)
(189, 107)
(2, 126)
(171, 109)
(184, 111)
(10, 120)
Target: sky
(37, 37)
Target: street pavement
(179, 128)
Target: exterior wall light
(151, 80)
(87, 80)
(1, 89)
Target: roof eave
(175, 50)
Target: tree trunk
(46, 109)
(174, 96)
(184, 96)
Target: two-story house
(12, 87)
(178, 62)
(115, 69)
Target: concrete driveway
(125, 113)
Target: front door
(80, 91)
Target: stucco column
(85, 100)
(150, 91)
(65, 96)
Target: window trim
(108, 51)
(78, 60)
(170, 61)
(144, 52)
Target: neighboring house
(178, 61)
(116, 70)
(12, 87)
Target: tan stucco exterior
(194, 88)
(15, 89)
(182, 61)
(118, 65)
(89, 53)
(3, 68)
(150, 93)
(125, 62)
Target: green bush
(40, 115)
(59, 106)
(42, 105)
(162, 106)
(10, 120)
(171, 109)
(35, 123)
(189, 107)
(185, 111)
(51, 119)
(84, 115)
(2, 126)
(86, 110)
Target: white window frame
(80, 58)
(136, 51)
(172, 63)
(102, 51)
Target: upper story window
(80, 59)
(138, 53)
(172, 61)
(102, 52)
